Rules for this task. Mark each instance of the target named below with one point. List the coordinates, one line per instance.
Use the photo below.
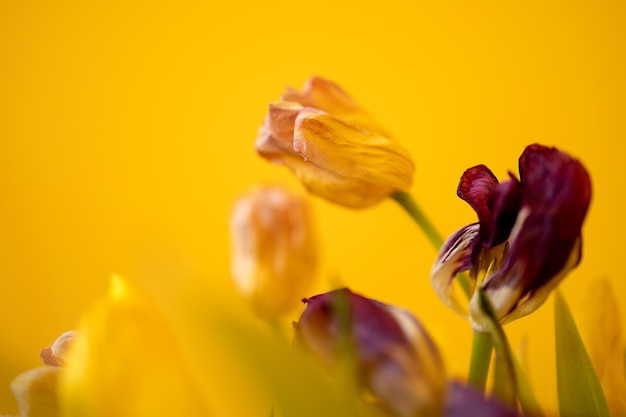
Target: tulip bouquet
(349, 355)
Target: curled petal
(557, 191)
(56, 354)
(327, 96)
(475, 187)
(505, 203)
(329, 143)
(455, 256)
(275, 138)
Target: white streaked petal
(455, 256)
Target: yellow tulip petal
(334, 145)
(349, 192)
(36, 392)
(125, 362)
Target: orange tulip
(334, 147)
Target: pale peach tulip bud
(333, 146)
(274, 254)
(55, 354)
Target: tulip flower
(333, 146)
(527, 239)
(125, 362)
(395, 359)
(274, 252)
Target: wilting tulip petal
(368, 156)
(322, 94)
(394, 357)
(334, 147)
(125, 362)
(274, 253)
(529, 234)
(36, 392)
(454, 257)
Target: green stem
(482, 345)
(410, 206)
(525, 394)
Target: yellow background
(126, 131)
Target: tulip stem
(410, 206)
(482, 345)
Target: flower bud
(395, 359)
(274, 254)
(334, 147)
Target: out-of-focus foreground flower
(528, 235)
(126, 362)
(393, 355)
(333, 146)
(606, 344)
(389, 354)
(274, 252)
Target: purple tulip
(528, 236)
(393, 356)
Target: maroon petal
(475, 187)
(504, 203)
(556, 196)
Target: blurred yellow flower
(125, 362)
(606, 344)
(274, 252)
(333, 146)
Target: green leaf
(579, 390)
